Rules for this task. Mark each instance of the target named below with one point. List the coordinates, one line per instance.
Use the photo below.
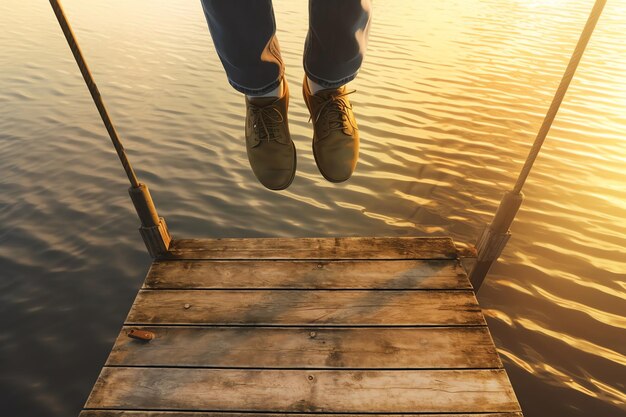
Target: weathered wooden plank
(266, 347)
(303, 390)
(411, 274)
(303, 308)
(129, 413)
(314, 248)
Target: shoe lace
(266, 121)
(335, 109)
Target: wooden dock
(351, 326)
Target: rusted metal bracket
(142, 335)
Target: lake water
(449, 99)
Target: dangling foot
(271, 151)
(335, 132)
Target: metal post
(153, 228)
(495, 236)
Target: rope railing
(495, 236)
(153, 228)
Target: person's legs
(336, 41)
(244, 34)
(333, 54)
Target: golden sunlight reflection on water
(448, 101)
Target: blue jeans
(244, 34)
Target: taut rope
(560, 93)
(496, 235)
(153, 228)
(93, 89)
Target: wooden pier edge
(129, 413)
(324, 326)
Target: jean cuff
(327, 83)
(256, 91)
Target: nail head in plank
(303, 390)
(302, 308)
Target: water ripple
(448, 101)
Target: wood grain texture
(303, 308)
(303, 390)
(128, 413)
(270, 327)
(263, 347)
(410, 274)
(314, 248)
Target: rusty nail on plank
(141, 335)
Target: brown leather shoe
(271, 151)
(335, 133)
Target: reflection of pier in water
(345, 325)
